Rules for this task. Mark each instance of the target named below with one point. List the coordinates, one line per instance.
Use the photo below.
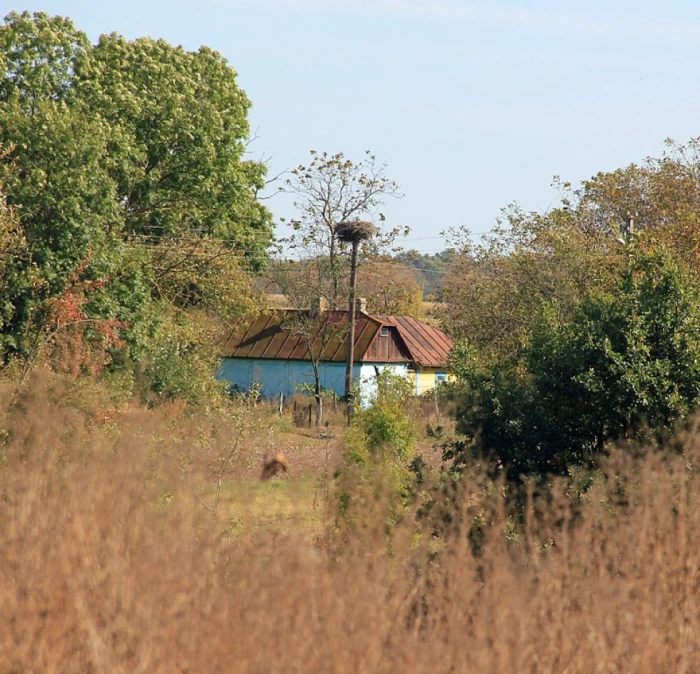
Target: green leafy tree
(626, 365)
(54, 177)
(37, 58)
(128, 176)
(173, 124)
(19, 279)
(180, 126)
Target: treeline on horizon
(132, 234)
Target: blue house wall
(282, 376)
(290, 376)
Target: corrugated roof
(273, 335)
(428, 346)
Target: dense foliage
(621, 363)
(380, 450)
(126, 187)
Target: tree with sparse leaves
(330, 190)
(311, 319)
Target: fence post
(310, 412)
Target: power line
(255, 233)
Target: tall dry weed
(99, 573)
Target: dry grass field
(109, 561)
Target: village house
(271, 353)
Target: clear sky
(471, 104)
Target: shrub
(627, 365)
(380, 448)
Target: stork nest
(355, 230)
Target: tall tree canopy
(125, 167)
(173, 126)
(37, 58)
(496, 289)
(179, 124)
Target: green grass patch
(280, 506)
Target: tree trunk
(317, 395)
(319, 412)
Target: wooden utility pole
(353, 233)
(351, 331)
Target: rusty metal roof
(274, 335)
(428, 346)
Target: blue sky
(471, 104)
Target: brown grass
(108, 563)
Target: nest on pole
(353, 231)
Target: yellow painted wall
(411, 378)
(425, 379)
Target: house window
(384, 332)
(440, 378)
